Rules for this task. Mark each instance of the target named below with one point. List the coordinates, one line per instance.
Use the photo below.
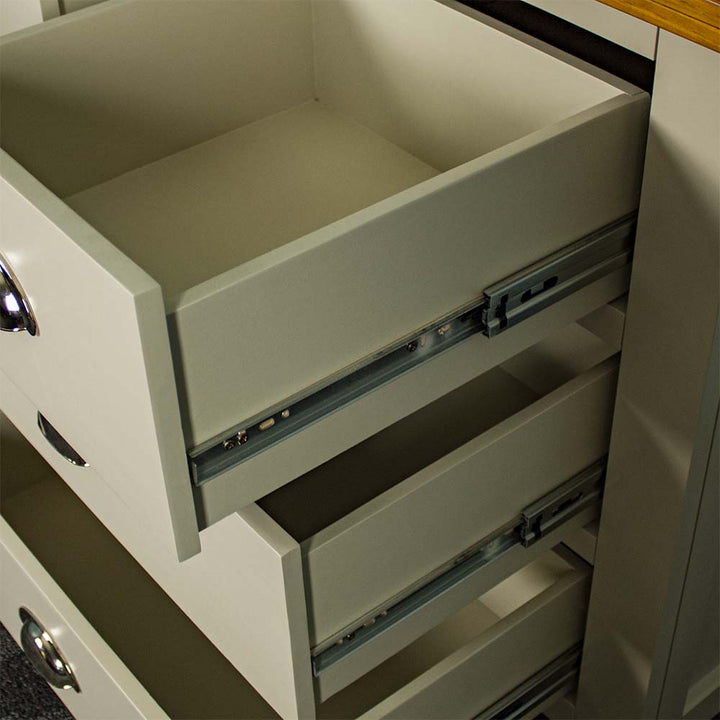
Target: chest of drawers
(307, 549)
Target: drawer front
(404, 534)
(98, 366)
(107, 689)
(491, 665)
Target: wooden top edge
(696, 20)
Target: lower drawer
(85, 672)
(99, 591)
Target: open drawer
(266, 196)
(327, 568)
(98, 598)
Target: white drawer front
(98, 367)
(107, 688)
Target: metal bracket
(501, 306)
(561, 504)
(557, 276)
(560, 674)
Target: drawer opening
(327, 494)
(249, 125)
(478, 624)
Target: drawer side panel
(321, 303)
(396, 539)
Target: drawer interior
(191, 679)
(248, 125)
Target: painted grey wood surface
(660, 390)
(99, 367)
(319, 303)
(301, 311)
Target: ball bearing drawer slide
(539, 519)
(501, 307)
(559, 675)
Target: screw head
(412, 346)
(229, 444)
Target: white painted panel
(448, 88)
(200, 212)
(612, 24)
(384, 645)
(99, 368)
(368, 415)
(656, 426)
(108, 689)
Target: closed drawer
(281, 192)
(313, 564)
(31, 603)
(504, 637)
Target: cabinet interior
(344, 484)
(248, 125)
(191, 679)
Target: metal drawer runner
(540, 518)
(560, 675)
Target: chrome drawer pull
(16, 314)
(59, 442)
(44, 654)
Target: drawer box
(282, 190)
(505, 637)
(364, 553)
(383, 516)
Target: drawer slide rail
(561, 675)
(501, 307)
(561, 504)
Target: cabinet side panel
(672, 313)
